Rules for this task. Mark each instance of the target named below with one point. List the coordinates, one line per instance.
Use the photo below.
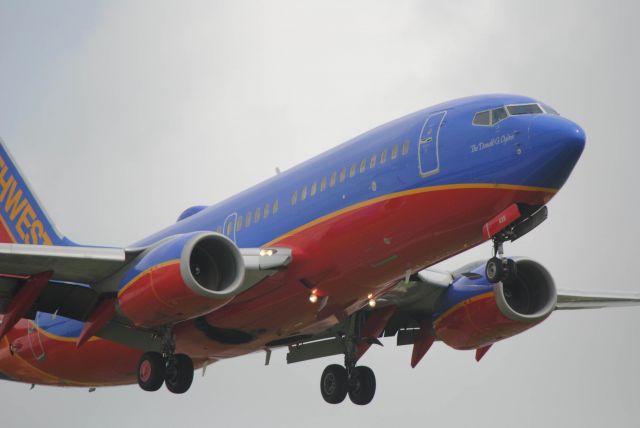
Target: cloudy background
(124, 113)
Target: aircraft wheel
(151, 371)
(362, 385)
(334, 384)
(494, 270)
(179, 375)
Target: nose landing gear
(499, 268)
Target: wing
(582, 300)
(67, 281)
(75, 264)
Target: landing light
(267, 252)
(313, 297)
(372, 300)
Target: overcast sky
(122, 114)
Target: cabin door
(429, 145)
(229, 228)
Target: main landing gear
(174, 370)
(359, 382)
(499, 268)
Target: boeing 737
(322, 259)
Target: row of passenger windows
(251, 217)
(491, 117)
(335, 177)
(263, 213)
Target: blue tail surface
(23, 220)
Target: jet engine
(475, 313)
(180, 278)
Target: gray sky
(124, 113)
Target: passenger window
(323, 184)
(405, 147)
(394, 152)
(343, 174)
(482, 118)
(498, 114)
(383, 156)
(332, 181)
(363, 165)
(256, 215)
(303, 194)
(265, 212)
(314, 188)
(372, 162)
(352, 171)
(294, 198)
(239, 224)
(274, 208)
(229, 226)
(247, 220)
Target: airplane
(323, 259)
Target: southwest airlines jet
(323, 259)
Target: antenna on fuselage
(277, 170)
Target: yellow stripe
(128, 284)
(409, 193)
(53, 336)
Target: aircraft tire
(494, 270)
(334, 384)
(178, 379)
(362, 385)
(151, 370)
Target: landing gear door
(429, 145)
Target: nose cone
(557, 144)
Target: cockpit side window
(498, 114)
(482, 118)
(524, 109)
(550, 110)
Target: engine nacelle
(180, 278)
(475, 313)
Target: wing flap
(74, 264)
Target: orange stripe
(487, 295)
(421, 190)
(144, 272)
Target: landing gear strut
(499, 268)
(174, 370)
(359, 382)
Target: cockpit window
(498, 114)
(550, 110)
(524, 109)
(482, 118)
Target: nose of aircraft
(557, 143)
